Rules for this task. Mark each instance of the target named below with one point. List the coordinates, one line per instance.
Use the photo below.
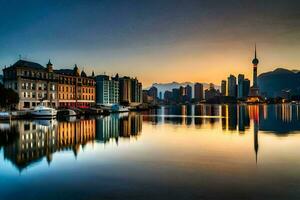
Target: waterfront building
(124, 90)
(107, 90)
(231, 89)
(75, 89)
(130, 90)
(223, 88)
(240, 90)
(33, 83)
(198, 91)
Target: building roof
(29, 64)
(69, 72)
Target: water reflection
(280, 119)
(28, 142)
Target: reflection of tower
(254, 115)
(256, 139)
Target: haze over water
(180, 152)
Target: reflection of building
(130, 125)
(35, 142)
(118, 125)
(243, 118)
(32, 82)
(70, 135)
(40, 139)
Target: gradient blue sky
(157, 41)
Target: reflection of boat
(119, 108)
(45, 122)
(4, 126)
(66, 113)
(4, 115)
(43, 111)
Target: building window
(26, 104)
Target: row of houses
(68, 87)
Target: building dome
(76, 70)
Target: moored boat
(119, 108)
(43, 111)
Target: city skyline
(198, 41)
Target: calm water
(183, 152)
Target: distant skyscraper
(168, 96)
(232, 86)
(160, 95)
(223, 87)
(246, 89)
(152, 92)
(198, 89)
(188, 89)
(175, 94)
(240, 90)
(211, 93)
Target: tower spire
(255, 50)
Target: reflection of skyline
(35, 140)
(114, 127)
(278, 119)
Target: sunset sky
(154, 40)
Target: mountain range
(274, 82)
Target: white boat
(43, 111)
(119, 108)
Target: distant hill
(274, 82)
(162, 87)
